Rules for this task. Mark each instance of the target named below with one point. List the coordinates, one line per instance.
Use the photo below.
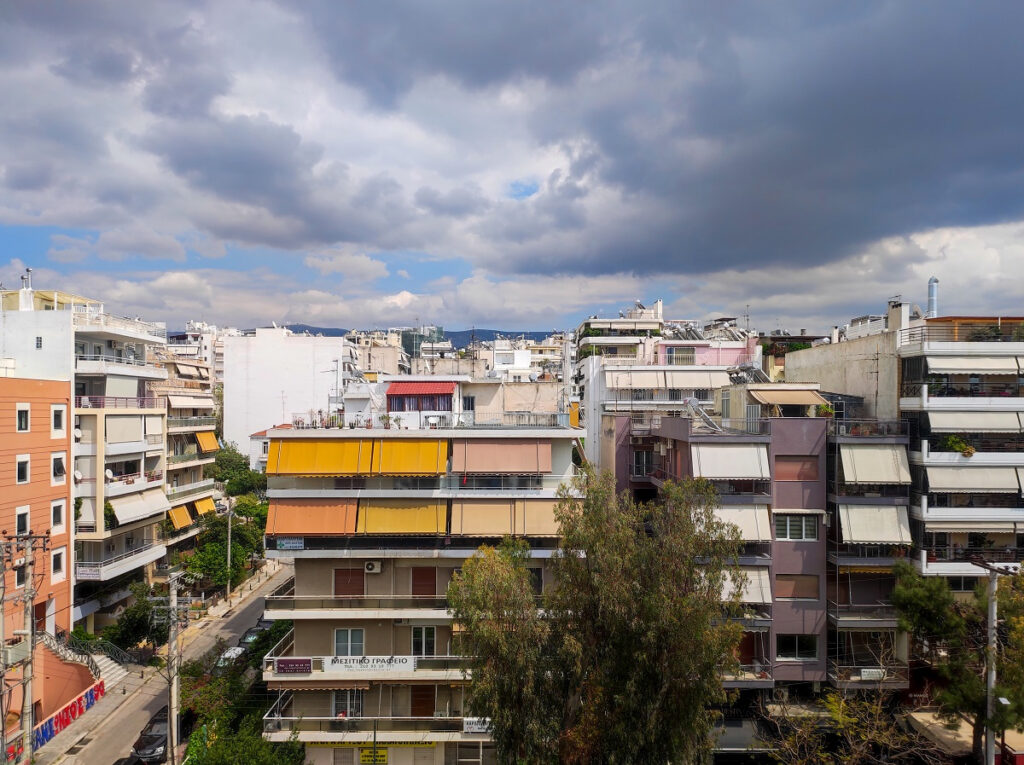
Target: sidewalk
(64, 747)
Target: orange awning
(500, 455)
(207, 441)
(205, 505)
(180, 517)
(301, 517)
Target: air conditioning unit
(19, 562)
(373, 566)
(636, 440)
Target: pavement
(104, 735)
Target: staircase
(110, 671)
(105, 660)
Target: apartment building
(204, 343)
(274, 375)
(380, 352)
(377, 521)
(191, 446)
(956, 382)
(770, 474)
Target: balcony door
(424, 580)
(349, 582)
(421, 701)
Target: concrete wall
(867, 367)
(19, 356)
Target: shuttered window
(796, 586)
(421, 701)
(348, 581)
(424, 580)
(796, 468)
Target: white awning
(874, 524)
(973, 480)
(693, 379)
(969, 527)
(975, 422)
(135, 507)
(190, 402)
(187, 370)
(757, 589)
(730, 461)
(641, 378)
(797, 511)
(753, 521)
(874, 463)
(787, 397)
(966, 365)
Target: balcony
(444, 546)
(104, 364)
(184, 424)
(456, 482)
(109, 568)
(281, 664)
(354, 607)
(756, 675)
(118, 402)
(177, 493)
(132, 482)
(869, 675)
(957, 553)
(961, 397)
(868, 428)
(870, 556)
(175, 461)
(875, 616)
(88, 320)
(989, 332)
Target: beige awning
(973, 480)
(874, 524)
(643, 378)
(483, 518)
(874, 463)
(696, 379)
(970, 527)
(730, 461)
(757, 589)
(966, 365)
(135, 507)
(501, 455)
(753, 521)
(204, 373)
(975, 422)
(786, 397)
(187, 370)
(190, 402)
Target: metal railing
(190, 422)
(972, 500)
(761, 670)
(989, 332)
(869, 672)
(174, 459)
(189, 488)
(868, 552)
(881, 611)
(130, 478)
(965, 554)
(68, 653)
(938, 443)
(453, 482)
(383, 602)
(868, 428)
(118, 402)
(1004, 389)
(361, 663)
(97, 646)
(147, 545)
(83, 317)
(129, 361)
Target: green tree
(137, 623)
(231, 467)
(210, 557)
(624, 661)
(209, 746)
(952, 636)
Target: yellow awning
(410, 456)
(205, 505)
(207, 441)
(180, 517)
(536, 518)
(483, 518)
(402, 516)
(320, 456)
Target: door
(424, 580)
(348, 581)
(421, 702)
(51, 616)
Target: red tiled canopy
(420, 388)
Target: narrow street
(112, 741)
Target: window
(39, 343)
(58, 473)
(643, 463)
(348, 703)
(962, 583)
(348, 642)
(57, 573)
(536, 580)
(677, 394)
(796, 468)
(24, 473)
(796, 527)
(21, 523)
(57, 517)
(23, 412)
(421, 700)
(681, 355)
(19, 576)
(423, 641)
(266, 451)
(469, 403)
(349, 581)
(796, 587)
(58, 420)
(796, 647)
(725, 404)
(424, 580)
(643, 394)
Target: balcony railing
(862, 611)
(1008, 388)
(384, 602)
(118, 402)
(843, 489)
(761, 670)
(174, 459)
(966, 554)
(191, 422)
(868, 428)
(83, 317)
(303, 665)
(454, 482)
(87, 570)
(870, 552)
(965, 501)
(982, 444)
(128, 479)
(998, 332)
(188, 488)
(128, 361)
(868, 673)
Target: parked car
(151, 745)
(230, 658)
(250, 636)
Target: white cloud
(354, 267)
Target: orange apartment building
(35, 495)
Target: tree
(231, 468)
(137, 623)
(210, 558)
(624, 661)
(208, 746)
(952, 636)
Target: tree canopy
(211, 556)
(231, 468)
(137, 623)
(623, 661)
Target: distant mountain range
(460, 338)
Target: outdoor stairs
(111, 672)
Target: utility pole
(230, 513)
(30, 630)
(172, 669)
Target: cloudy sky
(513, 164)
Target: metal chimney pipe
(933, 297)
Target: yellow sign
(366, 756)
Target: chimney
(834, 337)
(933, 298)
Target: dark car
(151, 745)
(250, 636)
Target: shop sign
(293, 666)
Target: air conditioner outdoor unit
(636, 440)
(19, 562)
(373, 566)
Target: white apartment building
(203, 342)
(119, 428)
(273, 375)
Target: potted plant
(385, 421)
(824, 410)
(954, 443)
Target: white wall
(18, 333)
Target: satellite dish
(109, 474)
(78, 476)
(78, 434)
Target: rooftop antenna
(746, 316)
